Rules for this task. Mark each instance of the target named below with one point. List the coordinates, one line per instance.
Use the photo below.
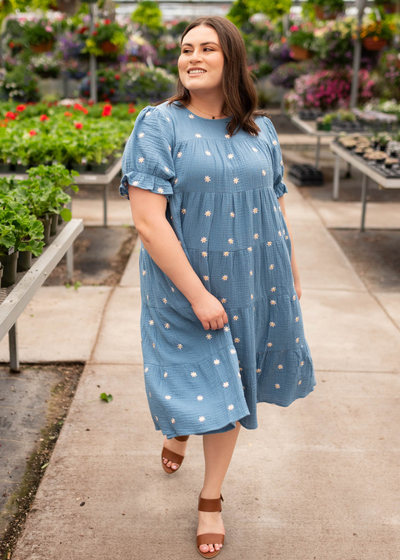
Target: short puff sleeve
(147, 159)
(280, 187)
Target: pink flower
(294, 28)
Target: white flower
(207, 179)
(141, 159)
(255, 210)
(207, 213)
(302, 363)
(209, 336)
(141, 135)
(168, 397)
(293, 298)
(280, 233)
(198, 135)
(227, 136)
(193, 374)
(167, 325)
(273, 289)
(143, 273)
(256, 236)
(273, 302)
(208, 153)
(271, 266)
(297, 319)
(173, 420)
(203, 239)
(275, 208)
(281, 162)
(231, 407)
(280, 366)
(151, 322)
(297, 339)
(166, 169)
(154, 345)
(191, 116)
(250, 249)
(204, 253)
(180, 346)
(165, 374)
(299, 383)
(235, 317)
(206, 278)
(269, 243)
(264, 172)
(176, 180)
(272, 324)
(236, 180)
(169, 147)
(236, 340)
(226, 384)
(179, 154)
(269, 344)
(216, 362)
(230, 156)
(164, 300)
(225, 277)
(146, 369)
(232, 214)
(258, 370)
(201, 418)
(199, 398)
(156, 417)
(226, 328)
(275, 142)
(254, 149)
(251, 273)
(233, 350)
(223, 300)
(230, 240)
(160, 190)
(277, 385)
(226, 253)
(183, 210)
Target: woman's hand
(297, 287)
(210, 311)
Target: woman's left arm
(295, 268)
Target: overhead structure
(360, 4)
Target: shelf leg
(336, 178)
(70, 262)
(318, 152)
(105, 195)
(13, 348)
(348, 172)
(364, 188)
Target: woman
(221, 321)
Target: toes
(204, 548)
(211, 547)
(165, 460)
(174, 466)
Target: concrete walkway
(319, 480)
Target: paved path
(318, 480)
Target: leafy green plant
(148, 14)
(302, 35)
(38, 32)
(106, 31)
(20, 84)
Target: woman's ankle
(210, 493)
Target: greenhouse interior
(74, 78)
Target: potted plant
(108, 38)
(300, 41)
(39, 35)
(327, 121)
(327, 9)
(376, 33)
(8, 255)
(383, 140)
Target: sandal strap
(210, 538)
(171, 456)
(182, 438)
(210, 505)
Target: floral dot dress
(222, 194)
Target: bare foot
(210, 522)
(175, 446)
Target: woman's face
(201, 50)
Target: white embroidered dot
(201, 419)
(226, 384)
(275, 142)
(193, 374)
(258, 370)
(281, 162)
(172, 288)
(191, 116)
(198, 135)
(141, 160)
(207, 213)
(264, 172)
(297, 319)
(168, 397)
(225, 277)
(203, 239)
(230, 156)
(168, 119)
(233, 351)
(165, 374)
(236, 339)
(239, 375)
(209, 336)
(297, 339)
(165, 300)
(269, 344)
(299, 383)
(167, 325)
(199, 398)
(293, 298)
(227, 136)
(176, 180)
(207, 179)
(141, 135)
(232, 214)
(226, 253)
(251, 296)
(236, 180)
(272, 324)
(230, 407)
(271, 266)
(302, 363)
(277, 385)
(251, 273)
(166, 169)
(208, 153)
(230, 240)
(144, 273)
(160, 190)
(254, 149)
(169, 147)
(151, 322)
(280, 366)
(173, 420)
(216, 362)
(156, 417)
(146, 369)
(153, 345)
(223, 300)
(180, 346)
(250, 249)
(179, 154)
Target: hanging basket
(325, 13)
(108, 47)
(370, 44)
(43, 47)
(389, 8)
(300, 53)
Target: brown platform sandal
(209, 538)
(173, 457)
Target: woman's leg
(218, 451)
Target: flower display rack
(15, 298)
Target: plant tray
(305, 175)
(392, 173)
(309, 114)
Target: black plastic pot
(24, 261)
(46, 220)
(10, 269)
(20, 168)
(80, 167)
(101, 168)
(4, 167)
(1, 274)
(53, 224)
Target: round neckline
(203, 118)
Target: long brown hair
(240, 95)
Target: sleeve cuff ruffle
(280, 189)
(144, 181)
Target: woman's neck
(207, 107)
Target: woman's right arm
(162, 244)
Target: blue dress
(222, 194)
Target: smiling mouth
(196, 72)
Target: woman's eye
(188, 50)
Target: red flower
(90, 102)
(84, 110)
(95, 33)
(132, 110)
(44, 118)
(78, 107)
(97, 24)
(107, 22)
(112, 90)
(3, 124)
(106, 111)
(102, 79)
(67, 114)
(82, 30)
(78, 125)
(11, 44)
(33, 132)
(10, 115)
(117, 77)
